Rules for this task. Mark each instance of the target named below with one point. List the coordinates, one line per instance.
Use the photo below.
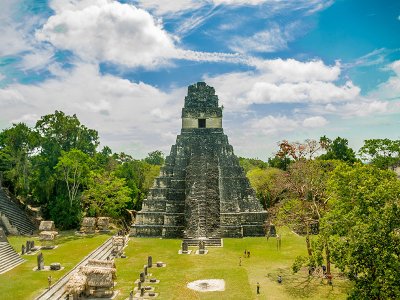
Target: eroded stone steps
(16, 216)
(9, 259)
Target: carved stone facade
(202, 191)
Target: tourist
(240, 260)
(248, 254)
(245, 252)
(279, 279)
(49, 281)
(258, 288)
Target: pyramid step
(9, 259)
(211, 242)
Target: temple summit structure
(202, 191)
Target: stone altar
(202, 191)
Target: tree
(279, 162)
(297, 150)
(306, 198)
(383, 153)
(16, 146)
(139, 176)
(363, 228)
(57, 132)
(267, 184)
(107, 195)
(294, 151)
(60, 132)
(337, 149)
(105, 160)
(251, 163)
(73, 168)
(155, 158)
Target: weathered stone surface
(55, 266)
(40, 261)
(201, 192)
(88, 225)
(3, 237)
(47, 226)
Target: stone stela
(144, 289)
(202, 247)
(202, 192)
(40, 262)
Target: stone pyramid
(202, 191)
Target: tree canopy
(57, 165)
(363, 225)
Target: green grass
(24, 283)
(264, 265)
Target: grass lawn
(264, 266)
(24, 283)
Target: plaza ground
(264, 265)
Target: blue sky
(293, 69)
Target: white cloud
(269, 40)
(302, 92)
(390, 89)
(315, 122)
(60, 6)
(283, 81)
(13, 34)
(167, 7)
(211, 56)
(109, 31)
(239, 2)
(274, 38)
(119, 33)
(364, 108)
(273, 125)
(291, 70)
(27, 118)
(162, 7)
(10, 97)
(38, 58)
(359, 107)
(131, 117)
(395, 66)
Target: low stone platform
(209, 242)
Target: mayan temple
(202, 191)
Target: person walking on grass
(258, 288)
(49, 279)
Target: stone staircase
(15, 215)
(9, 259)
(209, 242)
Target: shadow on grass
(300, 285)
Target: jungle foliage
(57, 165)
